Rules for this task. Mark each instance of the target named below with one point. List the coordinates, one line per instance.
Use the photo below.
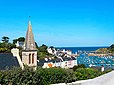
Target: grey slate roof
(73, 58)
(58, 60)
(7, 60)
(41, 62)
(67, 58)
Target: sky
(60, 23)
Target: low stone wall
(106, 79)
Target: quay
(100, 55)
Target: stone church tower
(29, 54)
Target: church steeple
(29, 54)
(29, 41)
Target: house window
(29, 58)
(32, 58)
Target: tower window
(29, 58)
(32, 58)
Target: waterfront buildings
(64, 59)
(63, 62)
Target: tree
(79, 66)
(15, 41)
(10, 46)
(51, 47)
(36, 45)
(43, 48)
(21, 39)
(6, 46)
(111, 48)
(42, 52)
(5, 39)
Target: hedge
(45, 76)
(40, 76)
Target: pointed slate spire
(29, 41)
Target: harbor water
(83, 58)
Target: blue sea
(76, 49)
(106, 61)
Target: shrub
(45, 76)
(79, 66)
(55, 75)
(86, 73)
(41, 76)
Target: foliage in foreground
(78, 66)
(46, 76)
(86, 73)
(40, 76)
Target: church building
(29, 54)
